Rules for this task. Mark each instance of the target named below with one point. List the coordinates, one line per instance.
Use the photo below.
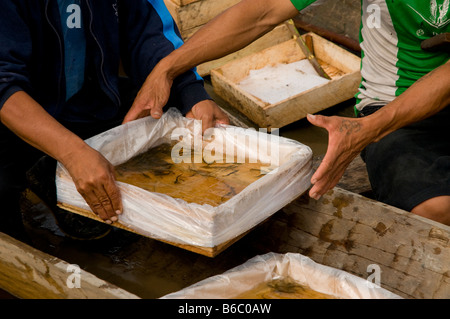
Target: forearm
(230, 31)
(426, 97)
(28, 120)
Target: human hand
(94, 179)
(209, 113)
(346, 140)
(152, 97)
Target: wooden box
(342, 66)
(278, 35)
(283, 173)
(191, 15)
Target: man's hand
(94, 179)
(152, 96)
(346, 140)
(209, 113)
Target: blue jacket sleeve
(15, 51)
(151, 34)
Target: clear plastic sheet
(272, 266)
(160, 216)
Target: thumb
(156, 112)
(222, 118)
(317, 120)
(134, 113)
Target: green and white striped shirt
(390, 35)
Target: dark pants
(412, 164)
(16, 157)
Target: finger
(190, 115)
(156, 112)
(320, 178)
(323, 169)
(222, 118)
(104, 201)
(115, 198)
(329, 180)
(96, 206)
(136, 111)
(207, 122)
(317, 120)
(106, 211)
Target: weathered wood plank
(342, 230)
(350, 232)
(28, 273)
(206, 251)
(278, 35)
(194, 14)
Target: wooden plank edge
(28, 273)
(205, 251)
(327, 231)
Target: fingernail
(114, 218)
(108, 221)
(313, 181)
(311, 116)
(118, 212)
(315, 196)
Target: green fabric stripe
(302, 4)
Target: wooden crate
(190, 15)
(201, 228)
(342, 66)
(278, 35)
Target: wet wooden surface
(350, 232)
(343, 230)
(26, 272)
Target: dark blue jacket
(137, 33)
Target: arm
(93, 175)
(230, 31)
(27, 119)
(348, 137)
(148, 34)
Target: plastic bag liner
(171, 219)
(272, 266)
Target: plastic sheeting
(159, 216)
(272, 266)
